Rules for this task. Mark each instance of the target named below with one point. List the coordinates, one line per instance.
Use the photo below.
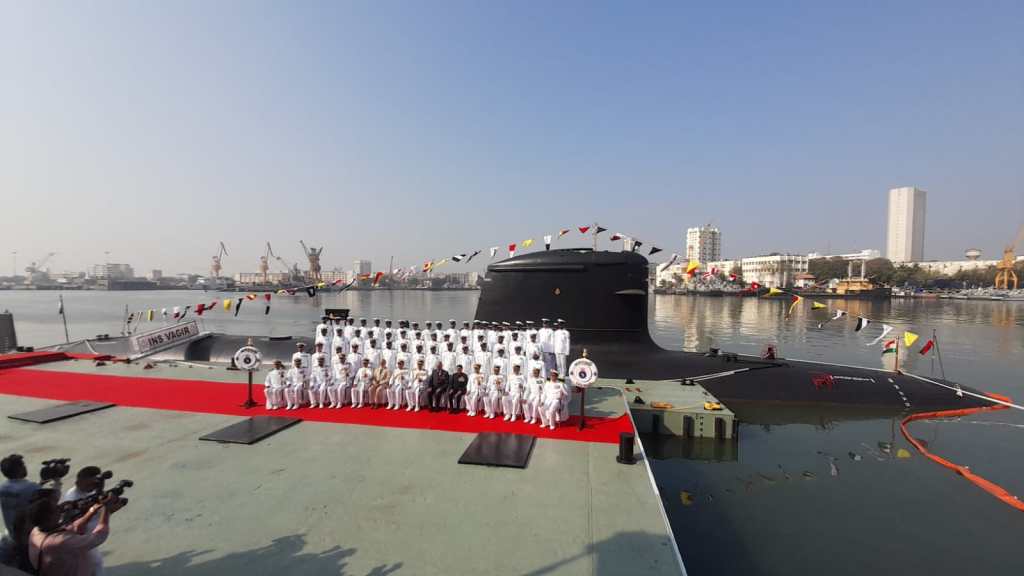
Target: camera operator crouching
(17, 493)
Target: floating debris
(808, 474)
(767, 478)
(903, 453)
(833, 469)
(885, 447)
(686, 498)
(855, 457)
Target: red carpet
(220, 398)
(41, 357)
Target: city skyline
(402, 130)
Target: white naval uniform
(551, 398)
(467, 333)
(513, 400)
(306, 364)
(546, 338)
(399, 381)
(534, 364)
(503, 363)
(296, 386)
(342, 383)
(483, 358)
(560, 346)
(355, 362)
(431, 361)
(518, 360)
(322, 378)
(452, 333)
(466, 360)
(364, 377)
(273, 388)
(493, 392)
(532, 347)
(474, 391)
(563, 407)
(374, 356)
(340, 340)
(415, 390)
(314, 359)
(350, 331)
(404, 356)
(448, 359)
(534, 393)
(391, 357)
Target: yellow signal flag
(526, 243)
(817, 306)
(773, 291)
(282, 291)
(692, 266)
(149, 315)
(441, 262)
(227, 303)
(321, 284)
(909, 338)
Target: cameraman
(88, 481)
(16, 493)
(67, 550)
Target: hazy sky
(419, 129)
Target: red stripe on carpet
(220, 398)
(20, 359)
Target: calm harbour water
(805, 491)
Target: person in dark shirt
(437, 387)
(457, 389)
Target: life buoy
(248, 358)
(582, 372)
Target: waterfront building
(361, 267)
(252, 278)
(335, 275)
(703, 244)
(776, 270)
(111, 271)
(905, 240)
(156, 274)
(868, 254)
(951, 267)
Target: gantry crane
(313, 255)
(215, 264)
(1005, 274)
(265, 264)
(37, 267)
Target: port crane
(1005, 274)
(313, 255)
(37, 267)
(215, 264)
(265, 264)
(291, 269)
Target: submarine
(603, 298)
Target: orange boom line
(986, 485)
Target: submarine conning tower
(602, 296)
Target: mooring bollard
(626, 440)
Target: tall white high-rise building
(905, 241)
(362, 267)
(703, 244)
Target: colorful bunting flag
(615, 236)
(636, 244)
(773, 291)
(458, 258)
(795, 300)
(266, 297)
(511, 250)
(692, 267)
(889, 347)
(494, 250)
(149, 315)
(176, 312)
(583, 229)
(547, 242)
(563, 232)
(927, 347)
(471, 256)
(909, 338)
(861, 323)
(885, 330)
(238, 305)
(163, 312)
(227, 303)
(817, 306)
(599, 230)
(527, 243)
(654, 250)
(427, 266)
(250, 296)
(376, 278)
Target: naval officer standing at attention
(546, 338)
(560, 346)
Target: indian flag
(889, 347)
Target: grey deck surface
(342, 499)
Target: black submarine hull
(602, 296)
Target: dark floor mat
(497, 449)
(250, 430)
(60, 412)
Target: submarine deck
(324, 498)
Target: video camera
(114, 498)
(54, 469)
